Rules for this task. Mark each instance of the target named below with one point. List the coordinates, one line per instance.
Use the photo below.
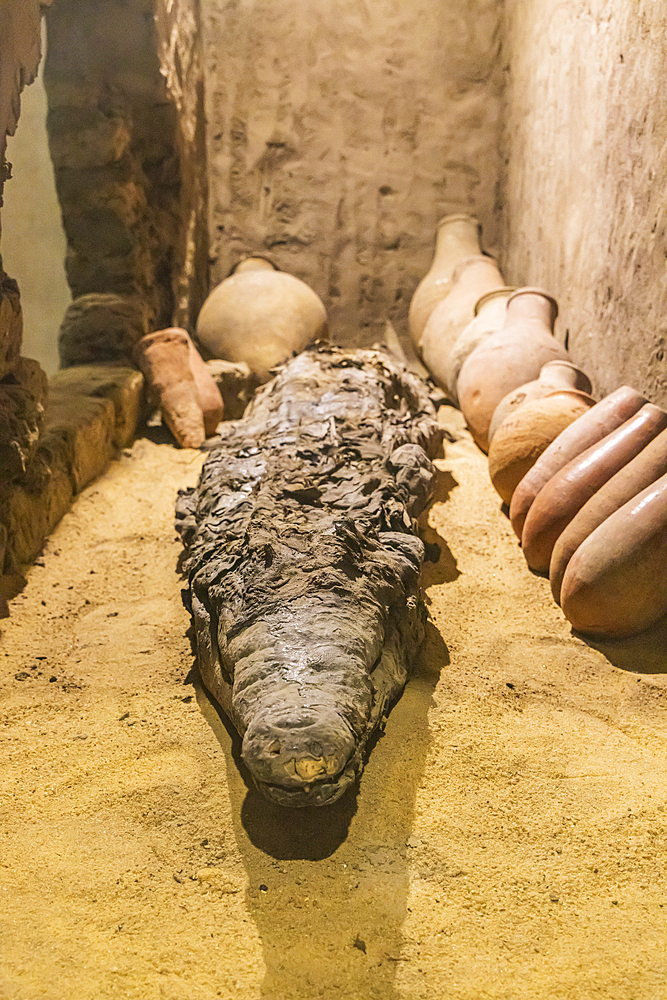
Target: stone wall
(113, 139)
(585, 182)
(340, 131)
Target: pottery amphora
(457, 239)
(260, 316)
(643, 470)
(553, 377)
(471, 279)
(567, 492)
(600, 420)
(509, 358)
(527, 432)
(489, 317)
(164, 358)
(615, 584)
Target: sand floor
(508, 839)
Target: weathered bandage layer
(304, 566)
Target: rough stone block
(100, 328)
(22, 397)
(31, 509)
(82, 428)
(84, 138)
(123, 386)
(11, 324)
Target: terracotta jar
(600, 420)
(555, 376)
(260, 316)
(471, 279)
(509, 358)
(164, 358)
(615, 584)
(527, 432)
(643, 470)
(567, 492)
(208, 393)
(489, 316)
(457, 239)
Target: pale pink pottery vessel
(457, 239)
(527, 432)
(508, 359)
(261, 317)
(489, 317)
(643, 470)
(567, 492)
(471, 279)
(164, 358)
(615, 584)
(553, 377)
(600, 420)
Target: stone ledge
(92, 411)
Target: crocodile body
(304, 567)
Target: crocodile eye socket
(274, 749)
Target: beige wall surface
(585, 184)
(339, 132)
(33, 241)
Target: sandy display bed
(508, 839)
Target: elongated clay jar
(164, 358)
(615, 584)
(260, 316)
(600, 420)
(509, 358)
(567, 492)
(527, 432)
(643, 470)
(555, 376)
(471, 279)
(489, 316)
(457, 239)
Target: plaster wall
(585, 179)
(340, 132)
(33, 241)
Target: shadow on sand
(645, 653)
(328, 888)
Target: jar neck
(253, 264)
(495, 299)
(457, 238)
(534, 306)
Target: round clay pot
(457, 239)
(164, 358)
(643, 470)
(526, 433)
(489, 317)
(600, 420)
(615, 584)
(509, 358)
(554, 377)
(260, 316)
(471, 279)
(567, 492)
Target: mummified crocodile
(304, 566)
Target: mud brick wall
(585, 181)
(339, 132)
(113, 140)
